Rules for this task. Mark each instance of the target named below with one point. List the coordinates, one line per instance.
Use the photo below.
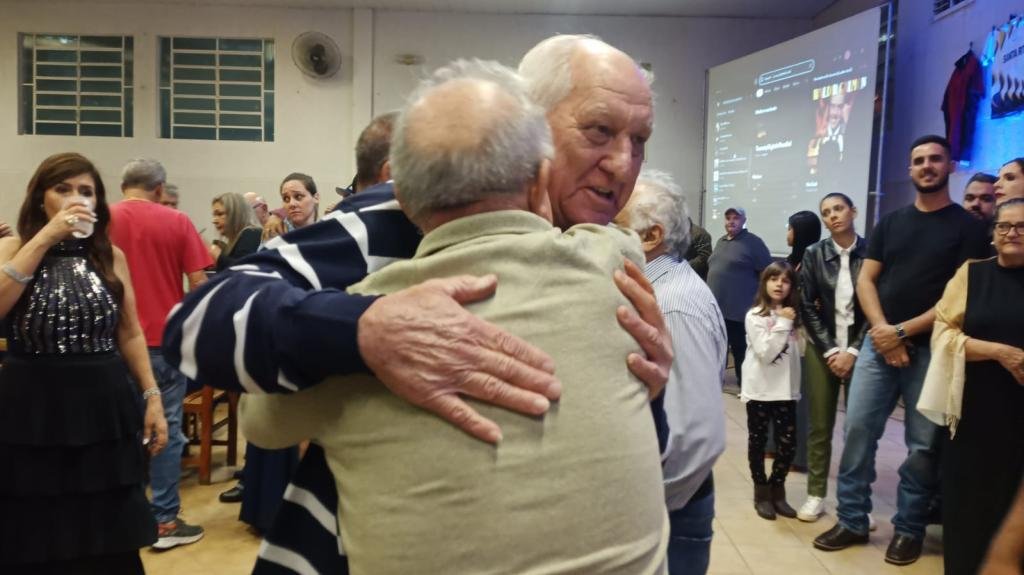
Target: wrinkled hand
(897, 357)
(647, 326)
(884, 337)
(60, 227)
(5, 230)
(841, 364)
(427, 349)
(273, 227)
(1012, 359)
(788, 313)
(154, 425)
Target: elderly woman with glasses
(975, 386)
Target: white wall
(316, 123)
(679, 49)
(312, 133)
(926, 50)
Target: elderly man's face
(599, 130)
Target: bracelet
(15, 274)
(151, 392)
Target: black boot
(763, 501)
(779, 501)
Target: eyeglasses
(1003, 228)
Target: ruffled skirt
(72, 487)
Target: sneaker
(812, 509)
(177, 532)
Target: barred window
(75, 85)
(217, 89)
(944, 7)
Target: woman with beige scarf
(975, 386)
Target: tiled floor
(743, 543)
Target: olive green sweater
(576, 491)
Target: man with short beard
(980, 197)
(912, 253)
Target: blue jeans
(165, 467)
(689, 544)
(872, 396)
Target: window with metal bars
(217, 89)
(941, 7)
(75, 85)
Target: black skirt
(72, 488)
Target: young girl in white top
(771, 384)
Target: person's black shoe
(763, 502)
(838, 538)
(238, 474)
(903, 549)
(233, 495)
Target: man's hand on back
(647, 326)
(427, 349)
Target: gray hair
(657, 199)
(171, 190)
(508, 148)
(547, 67)
(143, 173)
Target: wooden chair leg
(206, 437)
(232, 428)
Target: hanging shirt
(960, 105)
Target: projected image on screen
(789, 124)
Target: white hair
(657, 199)
(143, 173)
(547, 67)
(511, 143)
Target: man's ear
(158, 193)
(652, 238)
(385, 172)
(537, 195)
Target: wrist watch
(900, 332)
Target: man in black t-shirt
(912, 253)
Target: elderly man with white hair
(420, 342)
(693, 434)
(574, 491)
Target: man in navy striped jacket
(281, 321)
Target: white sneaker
(812, 509)
(872, 526)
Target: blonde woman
(236, 224)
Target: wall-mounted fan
(316, 55)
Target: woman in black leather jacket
(829, 273)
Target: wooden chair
(199, 411)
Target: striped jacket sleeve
(280, 320)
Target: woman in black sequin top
(72, 432)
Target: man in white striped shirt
(692, 426)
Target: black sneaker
(233, 495)
(903, 549)
(177, 532)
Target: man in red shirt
(161, 245)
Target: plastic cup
(83, 227)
